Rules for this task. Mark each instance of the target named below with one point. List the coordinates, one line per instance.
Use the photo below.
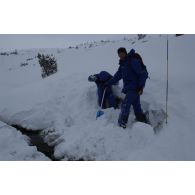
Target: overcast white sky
(25, 41)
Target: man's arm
(117, 77)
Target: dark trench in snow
(37, 140)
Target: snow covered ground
(64, 105)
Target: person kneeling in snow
(110, 100)
(134, 74)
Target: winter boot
(122, 121)
(92, 78)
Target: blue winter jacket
(132, 73)
(109, 99)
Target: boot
(92, 78)
(122, 121)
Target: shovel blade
(99, 114)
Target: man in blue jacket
(110, 100)
(134, 74)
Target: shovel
(101, 112)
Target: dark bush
(4, 54)
(14, 52)
(29, 59)
(141, 36)
(23, 64)
(48, 65)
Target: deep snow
(64, 105)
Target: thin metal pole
(167, 87)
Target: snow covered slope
(64, 105)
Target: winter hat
(122, 50)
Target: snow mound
(141, 134)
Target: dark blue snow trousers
(132, 98)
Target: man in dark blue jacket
(110, 100)
(134, 75)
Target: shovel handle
(103, 97)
